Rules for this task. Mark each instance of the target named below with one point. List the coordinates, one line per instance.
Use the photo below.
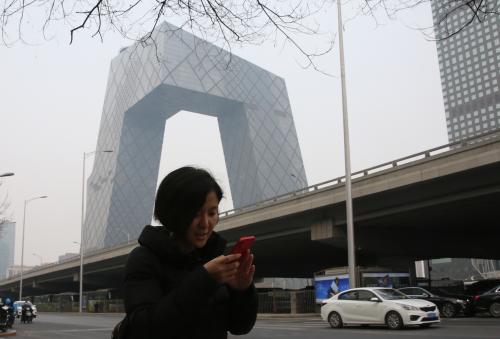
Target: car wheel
(495, 310)
(425, 325)
(448, 310)
(393, 320)
(335, 320)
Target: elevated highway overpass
(444, 202)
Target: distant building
(67, 256)
(7, 241)
(257, 130)
(469, 62)
(464, 269)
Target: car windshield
(493, 290)
(425, 291)
(390, 294)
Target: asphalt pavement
(74, 326)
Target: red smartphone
(242, 245)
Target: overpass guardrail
(488, 136)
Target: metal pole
(80, 308)
(22, 254)
(351, 250)
(22, 245)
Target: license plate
(431, 315)
(28, 313)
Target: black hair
(181, 195)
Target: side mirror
(425, 295)
(374, 299)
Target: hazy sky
(51, 97)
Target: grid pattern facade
(469, 62)
(464, 269)
(149, 84)
(7, 241)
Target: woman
(177, 282)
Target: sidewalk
(91, 314)
(9, 333)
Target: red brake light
(476, 298)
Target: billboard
(385, 279)
(327, 286)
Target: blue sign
(327, 286)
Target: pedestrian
(178, 283)
(334, 287)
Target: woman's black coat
(169, 294)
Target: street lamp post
(85, 155)
(351, 252)
(22, 245)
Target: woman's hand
(243, 277)
(224, 268)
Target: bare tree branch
(474, 10)
(87, 17)
(233, 22)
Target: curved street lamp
(22, 245)
(8, 174)
(351, 252)
(39, 257)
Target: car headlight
(409, 308)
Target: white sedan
(378, 305)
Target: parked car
(378, 305)
(19, 309)
(448, 307)
(488, 302)
(481, 286)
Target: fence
(287, 302)
(278, 301)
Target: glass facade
(149, 84)
(7, 241)
(464, 269)
(469, 62)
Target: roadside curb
(262, 316)
(90, 314)
(259, 315)
(9, 333)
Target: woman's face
(203, 224)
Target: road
(72, 326)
